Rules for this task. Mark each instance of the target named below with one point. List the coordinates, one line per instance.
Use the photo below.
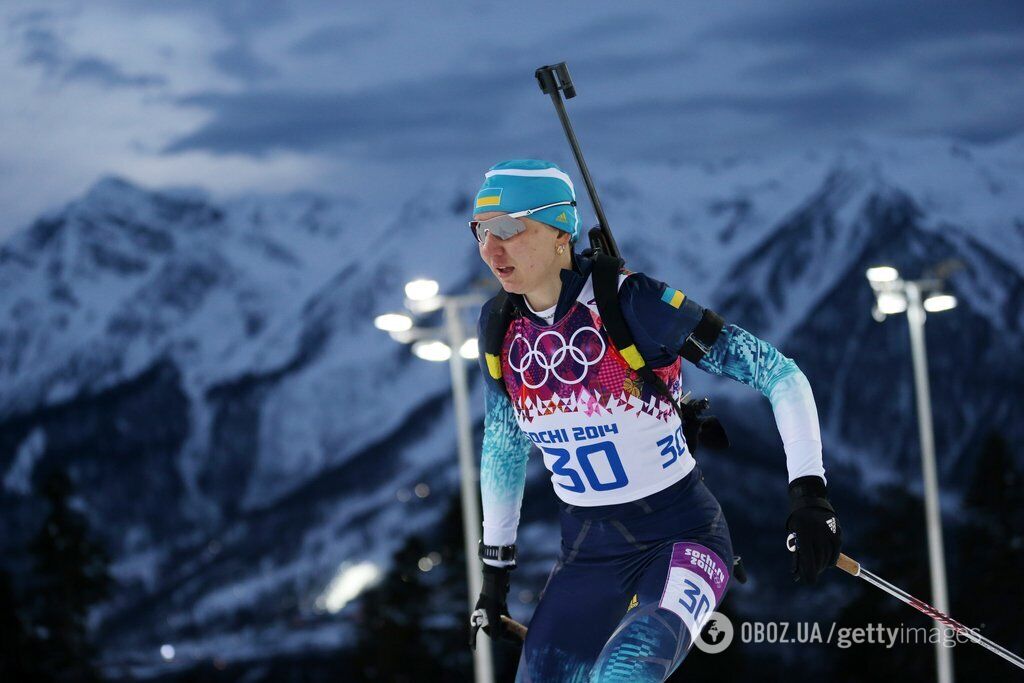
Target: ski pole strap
(703, 337)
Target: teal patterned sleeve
(503, 460)
(741, 356)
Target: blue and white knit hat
(522, 184)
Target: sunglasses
(506, 225)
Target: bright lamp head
(890, 303)
(419, 290)
(393, 322)
(432, 350)
(882, 274)
(939, 302)
(470, 349)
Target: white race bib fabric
(606, 438)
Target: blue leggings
(630, 583)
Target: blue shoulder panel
(659, 317)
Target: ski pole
(554, 80)
(479, 620)
(517, 629)
(853, 568)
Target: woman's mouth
(505, 271)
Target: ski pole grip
(517, 629)
(848, 565)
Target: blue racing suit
(646, 554)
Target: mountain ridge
(243, 330)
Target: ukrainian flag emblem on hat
(487, 197)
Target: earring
(561, 248)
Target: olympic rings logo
(533, 353)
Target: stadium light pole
(894, 295)
(450, 343)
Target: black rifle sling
(606, 294)
(697, 429)
(494, 334)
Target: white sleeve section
(501, 522)
(796, 417)
(502, 532)
(496, 563)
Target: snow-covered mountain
(241, 433)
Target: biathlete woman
(646, 554)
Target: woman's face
(524, 261)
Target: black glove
(491, 606)
(816, 526)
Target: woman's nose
(492, 245)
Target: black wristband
(498, 553)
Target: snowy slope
(239, 430)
